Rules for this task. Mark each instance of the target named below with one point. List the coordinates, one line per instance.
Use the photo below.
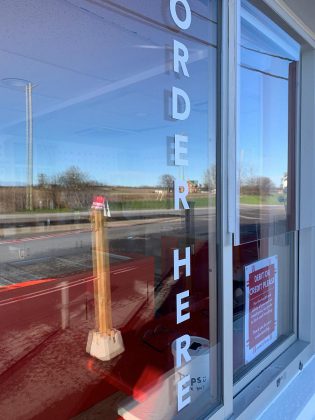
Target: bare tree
(258, 185)
(43, 180)
(266, 185)
(209, 178)
(72, 188)
(73, 179)
(77, 186)
(167, 182)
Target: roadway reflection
(39, 249)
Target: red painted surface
(32, 339)
(45, 371)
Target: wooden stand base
(103, 346)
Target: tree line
(70, 189)
(249, 185)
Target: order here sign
(261, 306)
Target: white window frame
(285, 363)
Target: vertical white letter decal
(183, 24)
(180, 195)
(182, 391)
(180, 149)
(177, 115)
(180, 59)
(180, 263)
(182, 351)
(180, 111)
(180, 306)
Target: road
(32, 248)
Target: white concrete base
(105, 347)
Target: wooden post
(102, 293)
(104, 342)
(65, 313)
(95, 288)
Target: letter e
(183, 388)
(181, 306)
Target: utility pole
(27, 86)
(29, 145)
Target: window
(153, 249)
(264, 255)
(109, 105)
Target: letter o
(183, 24)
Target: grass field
(196, 200)
(255, 199)
(155, 204)
(199, 202)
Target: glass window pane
(266, 140)
(154, 9)
(263, 290)
(264, 261)
(109, 297)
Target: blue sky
(119, 137)
(103, 106)
(263, 126)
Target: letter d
(176, 114)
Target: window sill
(272, 382)
(297, 400)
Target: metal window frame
(289, 357)
(248, 377)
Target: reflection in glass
(277, 307)
(264, 260)
(266, 146)
(102, 135)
